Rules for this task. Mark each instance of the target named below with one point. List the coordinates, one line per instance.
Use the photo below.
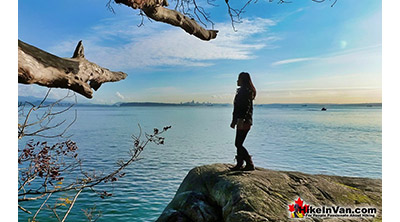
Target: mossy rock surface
(214, 193)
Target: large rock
(214, 193)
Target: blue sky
(302, 52)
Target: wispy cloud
(295, 60)
(332, 57)
(122, 45)
(323, 89)
(119, 95)
(40, 92)
(321, 95)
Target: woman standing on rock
(242, 119)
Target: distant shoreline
(275, 105)
(34, 100)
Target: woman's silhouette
(242, 119)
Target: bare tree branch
(23, 209)
(92, 181)
(47, 164)
(235, 14)
(155, 10)
(71, 205)
(188, 13)
(45, 120)
(54, 212)
(92, 214)
(41, 206)
(320, 1)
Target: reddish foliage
(44, 160)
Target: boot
(249, 164)
(239, 164)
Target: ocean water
(344, 141)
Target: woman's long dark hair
(246, 82)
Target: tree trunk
(36, 66)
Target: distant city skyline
(303, 52)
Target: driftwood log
(36, 66)
(155, 9)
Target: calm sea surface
(342, 141)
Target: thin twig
(45, 119)
(41, 206)
(71, 205)
(54, 212)
(82, 184)
(23, 209)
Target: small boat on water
(323, 109)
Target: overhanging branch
(36, 66)
(155, 9)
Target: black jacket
(243, 105)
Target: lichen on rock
(214, 193)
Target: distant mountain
(37, 101)
(34, 100)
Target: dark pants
(239, 140)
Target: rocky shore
(214, 193)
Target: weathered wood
(36, 66)
(155, 9)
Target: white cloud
(41, 91)
(119, 95)
(342, 56)
(288, 61)
(228, 96)
(64, 48)
(120, 44)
